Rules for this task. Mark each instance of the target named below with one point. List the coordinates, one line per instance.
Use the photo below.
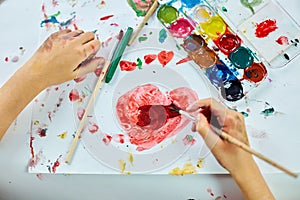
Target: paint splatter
(188, 168)
(251, 3)
(80, 113)
(200, 162)
(139, 63)
(209, 190)
(56, 164)
(93, 127)
(189, 140)
(130, 158)
(106, 17)
(63, 135)
(127, 65)
(140, 6)
(164, 57)
(107, 139)
(283, 40)
(40, 176)
(122, 166)
(162, 35)
(142, 38)
(149, 58)
(263, 29)
(183, 60)
(74, 95)
(42, 132)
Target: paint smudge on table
(189, 140)
(188, 168)
(283, 40)
(40, 176)
(63, 135)
(162, 36)
(56, 164)
(106, 17)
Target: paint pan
(214, 46)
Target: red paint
(80, 113)
(77, 80)
(75, 27)
(6, 59)
(255, 73)
(228, 42)
(165, 57)
(93, 127)
(264, 28)
(114, 24)
(149, 58)
(42, 132)
(54, 3)
(74, 95)
(127, 65)
(120, 138)
(98, 71)
(31, 146)
(181, 28)
(107, 139)
(283, 40)
(56, 88)
(55, 165)
(128, 111)
(106, 17)
(184, 60)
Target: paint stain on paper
(283, 40)
(188, 168)
(263, 29)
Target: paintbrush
(173, 111)
(145, 20)
(93, 97)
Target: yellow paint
(63, 135)
(122, 166)
(203, 13)
(200, 163)
(188, 168)
(214, 27)
(36, 122)
(130, 158)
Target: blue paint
(52, 19)
(221, 77)
(162, 35)
(190, 3)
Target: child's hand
(65, 55)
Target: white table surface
(19, 21)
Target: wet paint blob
(241, 57)
(219, 75)
(255, 73)
(228, 42)
(127, 65)
(214, 27)
(167, 14)
(283, 40)
(232, 90)
(162, 35)
(181, 28)
(190, 3)
(149, 58)
(263, 29)
(250, 4)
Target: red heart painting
(164, 57)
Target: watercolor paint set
(233, 43)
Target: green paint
(167, 14)
(251, 3)
(245, 114)
(139, 10)
(268, 111)
(241, 57)
(178, 47)
(224, 9)
(162, 35)
(55, 15)
(139, 63)
(142, 38)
